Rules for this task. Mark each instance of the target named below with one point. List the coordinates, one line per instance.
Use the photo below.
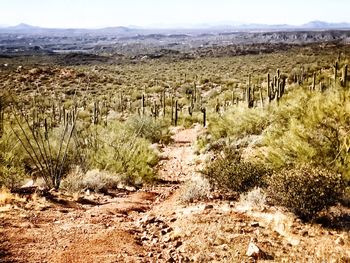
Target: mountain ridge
(24, 28)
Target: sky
(168, 13)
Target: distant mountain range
(127, 31)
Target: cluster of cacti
(276, 86)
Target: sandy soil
(154, 224)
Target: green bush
(51, 153)
(305, 190)
(238, 123)
(156, 131)
(229, 172)
(311, 128)
(11, 161)
(94, 180)
(121, 152)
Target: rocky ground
(160, 224)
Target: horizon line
(178, 25)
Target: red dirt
(153, 225)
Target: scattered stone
(340, 241)
(173, 220)
(144, 238)
(178, 243)
(208, 207)
(305, 233)
(167, 239)
(254, 251)
(254, 224)
(224, 247)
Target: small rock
(164, 226)
(144, 238)
(173, 220)
(208, 207)
(167, 239)
(178, 243)
(254, 224)
(340, 241)
(305, 233)
(254, 251)
(224, 247)
(147, 220)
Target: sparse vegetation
(277, 134)
(228, 171)
(196, 189)
(98, 181)
(119, 151)
(305, 190)
(12, 170)
(314, 132)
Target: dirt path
(115, 230)
(154, 225)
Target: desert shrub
(156, 131)
(305, 190)
(52, 154)
(255, 199)
(195, 190)
(229, 172)
(95, 180)
(11, 161)
(187, 121)
(119, 151)
(311, 128)
(238, 122)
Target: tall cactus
(172, 109)
(345, 76)
(204, 111)
(176, 113)
(2, 117)
(163, 103)
(335, 72)
(143, 104)
(269, 91)
(249, 99)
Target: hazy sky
(100, 13)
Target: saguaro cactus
(269, 92)
(143, 104)
(163, 103)
(345, 76)
(204, 111)
(2, 117)
(217, 106)
(172, 109)
(176, 113)
(335, 72)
